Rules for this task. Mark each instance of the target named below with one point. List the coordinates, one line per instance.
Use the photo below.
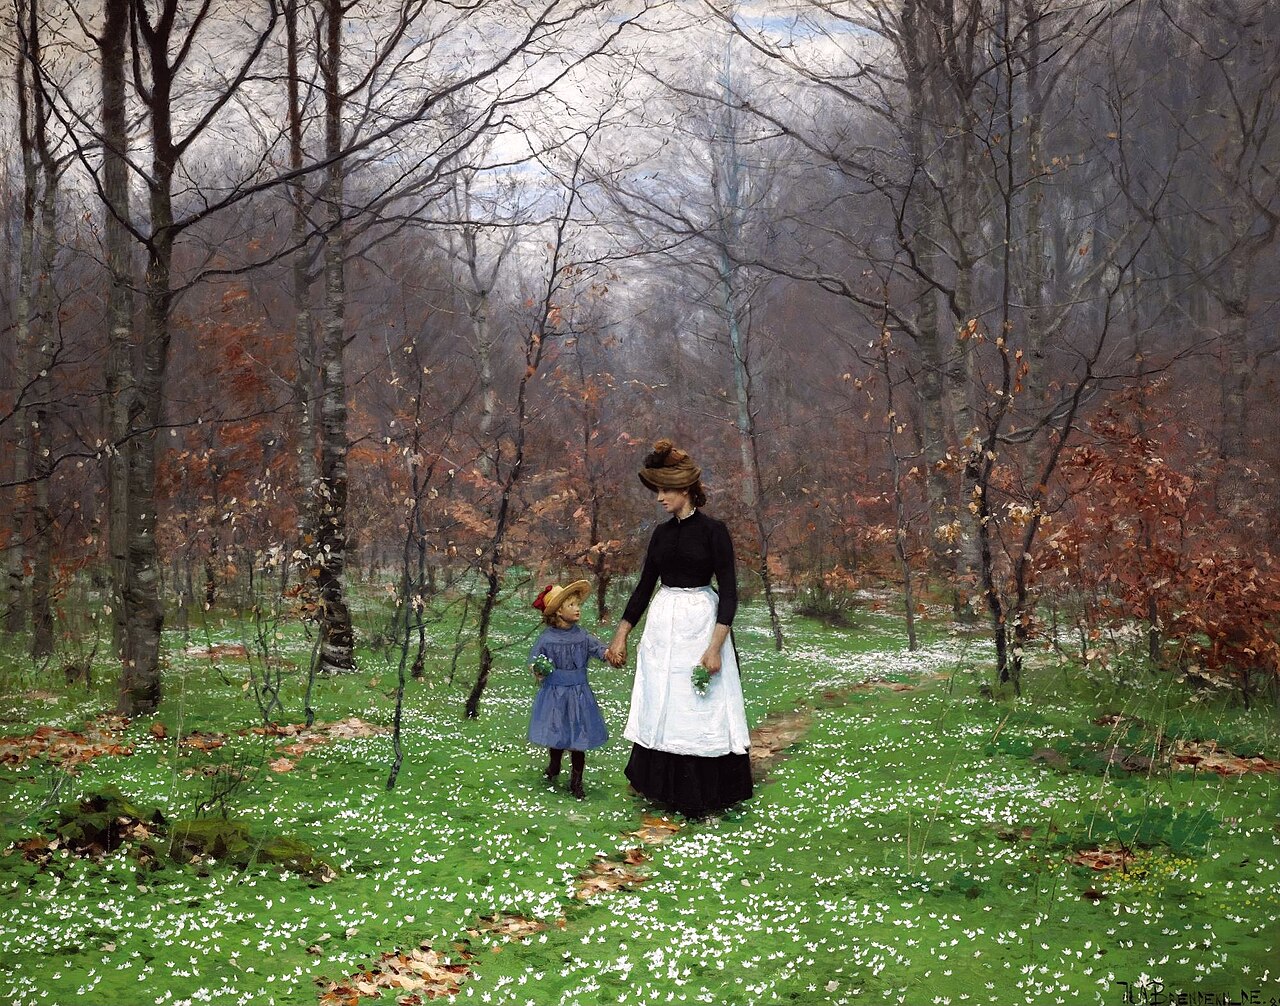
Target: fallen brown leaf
(605, 876)
(1208, 756)
(199, 740)
(655, 830)
(1102, 859)
(515, 927)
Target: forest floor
(912, 840)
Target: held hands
(616, 654)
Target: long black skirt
(692, 785)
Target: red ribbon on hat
(541, 602)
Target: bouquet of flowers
(701, 679)
(542, 666)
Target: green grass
(884, 861)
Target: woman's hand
(711, 660)
(616, 657)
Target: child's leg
(578, 760)
(553, 767)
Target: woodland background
(975, 299)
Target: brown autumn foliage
(1144, 540)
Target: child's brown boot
(578, 760)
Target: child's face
(570, 611)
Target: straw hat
(553, 596)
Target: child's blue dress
(565, 712)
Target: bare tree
(35, 342)
(1224, 215)
(301, 278)
(479, 244)
(702, 209)
(162, 49)
(509, 458)
(112, 46)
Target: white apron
(666, 713)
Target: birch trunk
(41, 469)
(140, 685)
(119, 308)
(304, 339)
(336, 639)
(736, 311)
(16, 551)
(140, 681)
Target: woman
(689, 750)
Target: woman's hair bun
(664, 453)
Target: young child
(565, 713)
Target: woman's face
(674, 501)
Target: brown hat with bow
(668, 467)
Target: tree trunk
(24, 345)
(41, 467)
(140, 682)
(336, 638)
(119, 308)
(303, 335)
(1036, 294)
(899, 505)
(140, 685)
(493, 561)
(1236, 366)
(736, 312)
(534, 346)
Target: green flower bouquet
(701, 678)
(542, 666)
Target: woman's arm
(711, 659)
(726, 575)
(641, 596)
(727, 587)
(636, 604)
